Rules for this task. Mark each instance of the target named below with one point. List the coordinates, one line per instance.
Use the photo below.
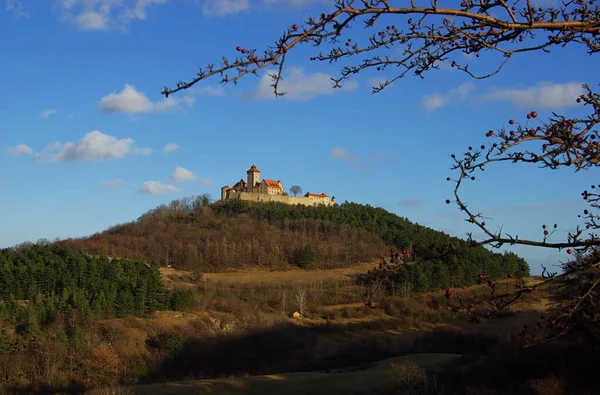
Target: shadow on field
(293, 348)
(487, 365)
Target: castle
(253, 189)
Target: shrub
(174, 344)
(182, 300)
(410, 378)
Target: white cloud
(47, 113)
(17, 9)
(157, 188)
(299, 86)
(434, 101)
(542, 95)
(182, 174)
(170, 147)
(95, 146)
(224, 7)
(143, 151)
(89, 15)
(20, 149)
(90, 20)
(205, 181)
(112, 183)
(343, 154)
(131, 101)
(54, 146)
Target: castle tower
(253, 177)
(224, 192)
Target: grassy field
(241, 334)
(348, 382)
(178, 278)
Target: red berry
(487, 313)
(510, 275)
(238, 48)
(447, 178)
(458, 266)
(523, 267)
(469, 313)
(533, 114)
(512, 121)
(481, 277)
(295, 27)
(569, 251)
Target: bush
(174, 344)
(137, 368)
(182, 300)
(410, 378)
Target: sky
(87, 141)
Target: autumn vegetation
(97, 312)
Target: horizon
(88, 142)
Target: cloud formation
(94, 15)
(157, 188)
(46, 113)
(299, 86)
(96, 146)
(17, 9)
(20, 149)
(170, 147)
(543, 95)
(546, 95)
(131, 101)
(182, 174)
(344, 155)
(434, 101)
(223, 8)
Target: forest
(197, 235)
(41, 281)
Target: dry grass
(293, 275)
(345, 382)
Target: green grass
(346, 382)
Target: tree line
(41, 281)
(198, 235)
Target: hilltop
(196, 235)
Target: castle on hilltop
(253, 189)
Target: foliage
(303, 257)
(56, 279)
(188, 235)
(429, 36)
(182, 300)
(175, 343)
(296, 190)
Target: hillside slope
(193, 234)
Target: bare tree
(295, 190)
(424, 37)
(302, 302)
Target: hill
(196, 235)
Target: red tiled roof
(225, 186)
(322, 195)
(252, 169)
(272, 183)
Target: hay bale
(296, 315)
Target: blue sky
(87, 141)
